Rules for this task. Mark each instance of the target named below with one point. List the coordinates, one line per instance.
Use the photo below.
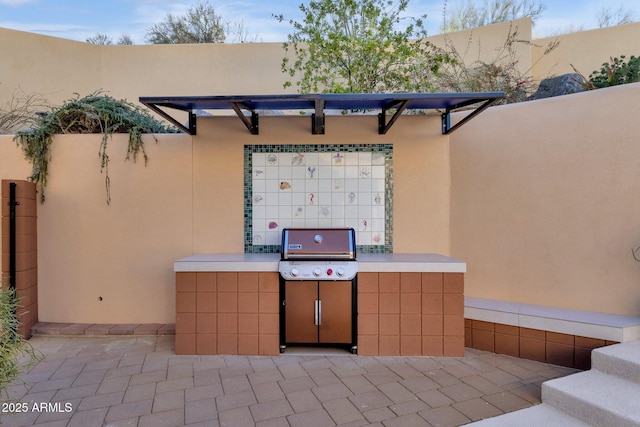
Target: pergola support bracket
(191, 126)
(251, 123)
(446, 116)
(383, 125)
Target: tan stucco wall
(58, 68)
(49, 66)
(189, 199)
(586, 50)
(544, 201)
(535, 197)
(487, 44)
(123, 252)
(421, 175)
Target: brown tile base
(49, 328)
(543, 346)
(399, 313)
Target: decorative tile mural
(347, 185)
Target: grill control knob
(340, 272)
(295, 272)
(317, 272)
(317, 238)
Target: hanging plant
(95, 113)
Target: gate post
(19, 249)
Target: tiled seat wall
(26, 280)
(411, 314)
(543, 346)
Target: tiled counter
(408, 304)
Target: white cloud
(43, 28)
(153, 11)
(16, 2)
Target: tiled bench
(551, 335)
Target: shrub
(617, 72)
(500, 73)
(16, 353)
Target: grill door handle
(318, 312)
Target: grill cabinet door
(335, 324)
(300, 303)
(318, 312)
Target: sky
(81, 19)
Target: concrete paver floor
(139, 381)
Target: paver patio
(139, 381)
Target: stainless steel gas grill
(318, 288)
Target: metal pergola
(390, 106)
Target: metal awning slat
(317, 104)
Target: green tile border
(387, 149)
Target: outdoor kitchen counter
(407, 304)
(377, 263)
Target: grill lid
(319, 243)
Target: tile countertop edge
(425, 263)
(227, 262)
(409, 263)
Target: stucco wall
(538, 197)
(487, 44)
(421, 175)
(49, 66)
(102, 263)
(544, 201)
(586, 50)
(58, 68)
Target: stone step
(596, 398)
(620, 360)
(607, 395)
(535, 416)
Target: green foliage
(499, 74)
(469, 14)
(95, 113)
(617, 72)
(16, 354)
(358, 46)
